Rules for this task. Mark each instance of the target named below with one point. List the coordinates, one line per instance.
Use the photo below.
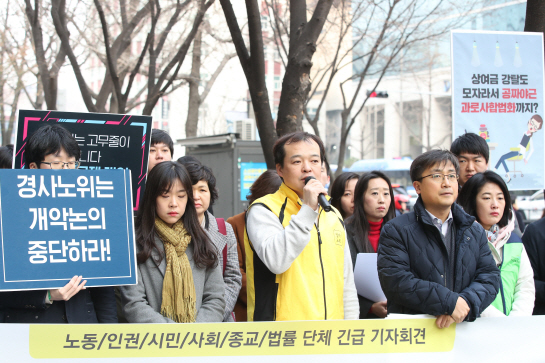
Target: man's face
(471, 164)
(158, 153)
(60, 160)
(302, 159)
(439, 192)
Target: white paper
(366, 277)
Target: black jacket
(365, 304)
(534, 242)
(90, 306)
(413, 264)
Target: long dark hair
(467, 199)
(337, 190)
(160, 180)
(359, 220)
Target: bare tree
(196, 98)
(331, 46)
(392, 28)
(302, 46)
(13, 69)
(253, 65)
(160, 59)
(338, 53)
(411, 116)
(48, 69)
(367, 36)
(303, 35)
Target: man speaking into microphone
(298, 264)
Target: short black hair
(198, 172)
(6, 157)
(188, 159)
(279, 151)
(161, 137)
(431, 158)
(50, 139)
(472, 144)
(467, 198)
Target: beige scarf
(179, 303)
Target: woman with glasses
(485, 196)
(53, 147)
(373, 207)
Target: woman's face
(376, 199)
(490, 205)
(170, 206)
(347, 200)
(201, 196)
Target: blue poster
(249, 172)
(497, 93)
(55, 224)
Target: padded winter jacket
(413, 265)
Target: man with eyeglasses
(54, 147)
(435, 260)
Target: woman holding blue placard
(179, 279)
(373, 206)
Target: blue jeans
(505, 157)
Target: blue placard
(249, 172)
(56, 224)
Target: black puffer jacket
(534, 242)
(413, 265)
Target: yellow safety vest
(312, 288)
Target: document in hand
(366, 277)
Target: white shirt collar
(442, 226)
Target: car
(532, 206)
(412, 193)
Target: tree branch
(58, 12)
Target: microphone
(321, 197)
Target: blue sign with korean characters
(56, 224)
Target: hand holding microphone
(310, 194)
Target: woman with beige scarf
(179, 279)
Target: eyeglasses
(438, 178)
(62, 164)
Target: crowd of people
(458, 255)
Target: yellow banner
(239, 339)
